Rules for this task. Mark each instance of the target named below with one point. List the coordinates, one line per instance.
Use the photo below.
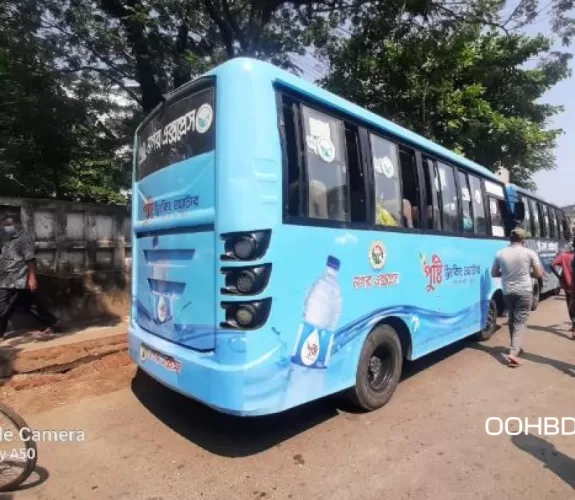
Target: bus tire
(491, 324)
(378, 370)
(536, 297)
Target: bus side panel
(547, 250)
(439, 287)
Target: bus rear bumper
(196, 375)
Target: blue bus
(549, 233)
(289, 245)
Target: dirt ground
(143, 441)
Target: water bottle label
(163, 308)
(313, 346)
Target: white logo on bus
(204, 118)
(326, 149)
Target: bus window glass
(555, 223)
(448, 197)
(527, 222)
(535, 217)
(496, 216)
(410, 187)
(479, 221)
(544, 218)
(432, 193)
(182, 129)
(326, 166)
(466, 203)
(388, 206)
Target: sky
(558, 186)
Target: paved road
(144, 442)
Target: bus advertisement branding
(165, 207)
(437, 272)
(377, 256)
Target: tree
(52, 140)
(458, 83)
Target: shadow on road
(498, 351)
(231, 436)
(560, 464)
(39, 475)
(554, 329)
(222, 434)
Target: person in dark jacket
(18, 281)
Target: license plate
(167, 362)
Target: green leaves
(457, 83)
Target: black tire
(378, 370)
(536, 297)
(491, 324)
(557, 291)
(30, 445)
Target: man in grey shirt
(516, 266)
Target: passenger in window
(387, 194)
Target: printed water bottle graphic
(321, 315)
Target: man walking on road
(18, 282)
(516, 265)
(565, 262)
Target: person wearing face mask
(18, 282)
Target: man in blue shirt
(18, 282)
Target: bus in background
(549, 233)
(289, 245)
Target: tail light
(246, 245)
(246, 280)
(246, 315)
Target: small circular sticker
(204, 118)
(477, 195)
(162, 310)
(377, 255)
(326, 149)
(384, 166)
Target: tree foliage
(459, 82)
(451, 70)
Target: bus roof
(277, 75)
(526, 192)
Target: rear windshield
(181, 129)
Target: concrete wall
(83, 254)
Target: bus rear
(204, 203)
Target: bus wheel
(379, 369)
(557, 291)
(491, 324)
(536, 297)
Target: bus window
(410, 185)
(388, 206)
(556, 221)
(565, 225)
(552, 225)
(356, 175)
(544, 218)
(184, 128)
(466, 203)
(496, 212)
(527, 222)
(479, 222)
(432, 192)
(448, 198)
(326, 166)
(535, 216)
